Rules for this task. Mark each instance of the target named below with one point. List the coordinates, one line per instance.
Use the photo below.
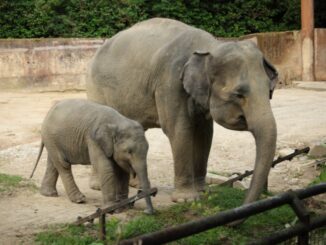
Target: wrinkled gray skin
(181, 78)
(82, 132)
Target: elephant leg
(203, 135)
(190, 137)
(49, 182)
(68, 181)
(190, 149)
(122, 184)
(106, 175)
(94, 182)
(108, 182)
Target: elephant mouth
(238, 124)
(242, 123)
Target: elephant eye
(238, 96)
(129, 151)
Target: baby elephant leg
(94, 181)
(48, 186)
(69, 183)
(122, 184)
(106, 176)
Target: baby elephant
(78, 131)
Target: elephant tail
(38, 158)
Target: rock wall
(60, 64)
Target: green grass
(9, 183)
(67, 234)
(219, 199)
(321, 178)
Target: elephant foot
(185, 195)
(77, 198)
(94, 183)
(48, 191)
(149, 211)
(125, 208)
(119, 210)
(109, 204)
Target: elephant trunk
(264, 131)
(145, 186)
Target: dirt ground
(301, 121)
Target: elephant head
(127, 145)
(234, 83)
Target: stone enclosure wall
(61, 64)
(283, 49)
(45, 64)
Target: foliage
(104, 18)
(218, 199)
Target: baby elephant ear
(104, 135)
(195, 78)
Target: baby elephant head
(128, 147)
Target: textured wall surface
(60, 64)
(320, 54)
(283, 49)
(45, 64)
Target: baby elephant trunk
(145, 186)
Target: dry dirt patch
(300, 116)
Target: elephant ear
(104, 136)
(272, 75)
(195, 78)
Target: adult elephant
(164, 73)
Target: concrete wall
(320, 54)
(45, 64)
(60, 64)
(283, 49)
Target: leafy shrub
(104, 18)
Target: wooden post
(102, 228)
(307, 40)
